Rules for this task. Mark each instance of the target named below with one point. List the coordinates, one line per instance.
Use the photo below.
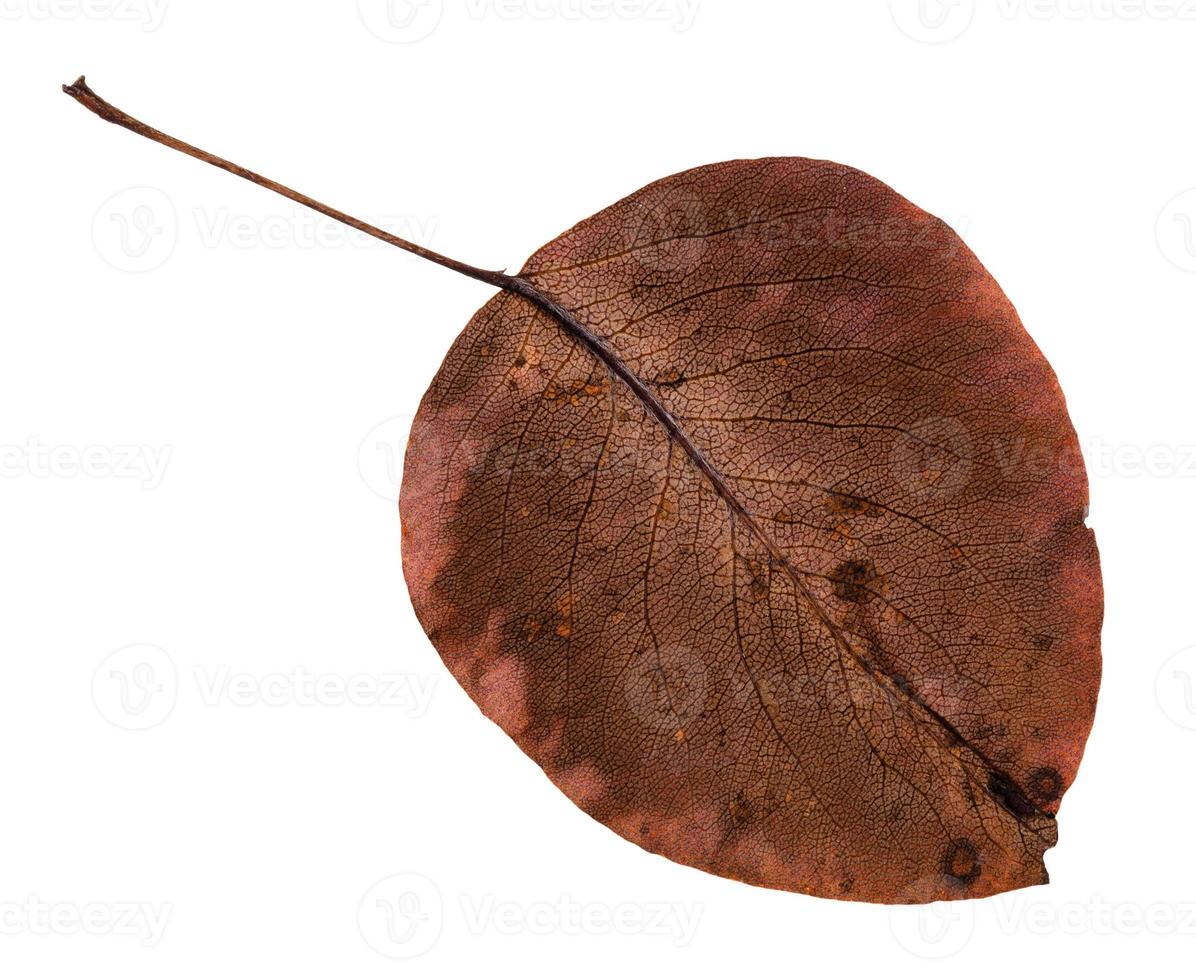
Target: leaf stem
(82, 93)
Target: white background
(204, 398)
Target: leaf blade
(744, 643)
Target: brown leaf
(786, 575)
(752, 514)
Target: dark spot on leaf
(1043, 642)
(850, 580)
(843, 503)
(740, 810)
(520, 361)
(1045, 784)
(961, 861)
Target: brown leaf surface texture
(795, 588)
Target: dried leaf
(750, 511)
(785, 577)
